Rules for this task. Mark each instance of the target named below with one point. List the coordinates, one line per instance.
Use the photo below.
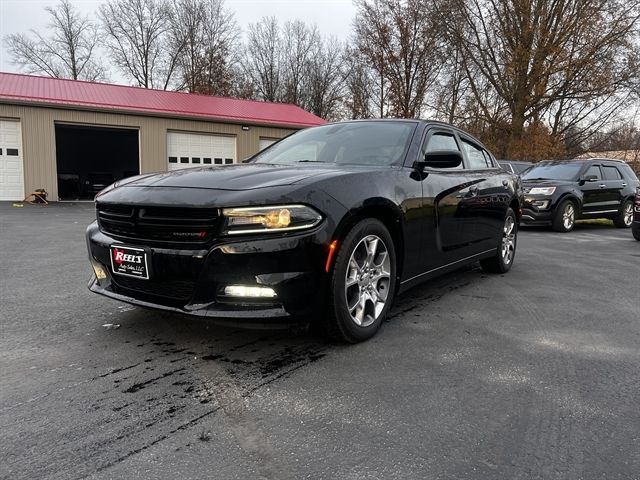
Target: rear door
(594, 192)
(487, 208)
(614, 186)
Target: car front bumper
(533, 215)
(193, 281)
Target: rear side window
(488, 159)
(475, 156)
(630, 174)
(594, 170)
(611, 173)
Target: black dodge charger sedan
(328, 224)
(557, 193)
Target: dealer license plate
(129, 261)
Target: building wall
(39, 141)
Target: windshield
(553, 171)
(359, 143)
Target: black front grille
(158, 224)
(172, 289)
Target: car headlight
(542, 190)
(279, 218)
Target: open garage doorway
(90, 158)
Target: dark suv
(557, 193)
(635, 227)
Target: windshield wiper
(310, 161)
(539, 178)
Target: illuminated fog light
(541, 204)
(249, 291)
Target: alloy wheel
(627, 214)
(367, 280)
(569, 216)
(508, 240)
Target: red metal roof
(103, 96)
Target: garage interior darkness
(90, 158)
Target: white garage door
(187, 150)
(11, 165)
(265, 142)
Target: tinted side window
(594, 170)
(488, 159)
(629, 173)
(474, 155)
(441, 141)
(611, 173)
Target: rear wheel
(505, 253)
(362, 283)
(625, 218)
(565, 217)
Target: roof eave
(151, 113)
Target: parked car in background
(333, 220)
(97, 181)
(557, 193)
(635, 227)
(514, 166)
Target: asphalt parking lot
(530, 375)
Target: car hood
(546, 183)
(236, 177)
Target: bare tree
(205, 34)
(561, 63)
(359, 85)
(138, 40)
(400, 40)
(263, 59)
(299, 43)
(323, 88)
(68, 52)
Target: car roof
(581, 161)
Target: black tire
(502, 260)
(564, 218)
(636, 233)
(625, 217)
(338, 322)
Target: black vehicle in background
(329, 223)
(558, 193)
(514, 166)
(635, 227)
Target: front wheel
(625, 218)
(565, 217)
(505, 253)
(362, 283)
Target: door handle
(602, 185)
(624, 184)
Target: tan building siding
(39, 141)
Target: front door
(449, 194)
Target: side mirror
(440, 159)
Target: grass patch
(596, 221)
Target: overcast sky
(333, 17)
